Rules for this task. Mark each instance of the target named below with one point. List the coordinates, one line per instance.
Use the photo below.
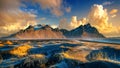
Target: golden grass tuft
(70, 48)
(1, 45)
(37, 56)
(20, 50)
(99, 56)
(62, 46)
(102, 56)
(8, 42)
(76, 55)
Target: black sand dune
(59, 54)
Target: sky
(64, 14)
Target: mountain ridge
(47, 32)
(83, 31)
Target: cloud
(113, 11)
(76, 23)
(107, 3)
(98, 17)
(54, 26)
(73, 24)
(46, 4)
(12, 19)
(9, 5)
(68, 9)
(53, 5)
(64, 24)
(13, 22)
(56, 7)
(113, 15)
(57, 12)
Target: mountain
(83, 31)
(39, 32)
(47, 32)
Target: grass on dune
(99, 56)
(20, 50)
(35, 60)
(8, 42)
(37, 56)
(76, 55)
(1, 45)
(81, 56)
(5, 43)
(102, 56)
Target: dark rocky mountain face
(83, 31)
(47, 32)
(39, 32)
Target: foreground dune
(60, 54)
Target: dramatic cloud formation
(53, 5)
(12, 19)
(73, 24)
(76, 23)
(98, 17)
(56, 7)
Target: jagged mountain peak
(47, 27)
(30, 27)
(87, 25)
(37, 27)
(83, 31)
(90, 29)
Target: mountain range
(47, 32)
(83, 31)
